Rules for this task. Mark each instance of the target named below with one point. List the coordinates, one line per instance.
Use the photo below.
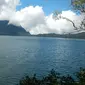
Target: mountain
(13, 30)
(78, 35)
(10, 29)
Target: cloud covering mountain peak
(34, 20)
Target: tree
(81, 76)
(78, 5)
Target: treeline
(54, 78)
(75, 36)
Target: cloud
(2, 2)
(34, 20)
(62, 25)
(8, 9)
(30, 17)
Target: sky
(36, 16)
(49, 6)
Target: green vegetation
(54, 78)
(78, 5)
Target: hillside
(10, 29)
(79, 35)
(13, 30)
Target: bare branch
(76, 28)
(80, 28)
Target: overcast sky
(36, 16)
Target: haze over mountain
(10, 29)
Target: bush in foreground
(54, 78)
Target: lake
(20, 56)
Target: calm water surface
(20, 56)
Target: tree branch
(76, 28)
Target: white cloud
(30, 17)
(8, 9)
(34, 20)
(62, 25)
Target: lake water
(20, 56)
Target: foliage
(54, 78)
(81, 76)
(78, 5)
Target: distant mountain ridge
(13, 30)
(78, 35)
(10, 29)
